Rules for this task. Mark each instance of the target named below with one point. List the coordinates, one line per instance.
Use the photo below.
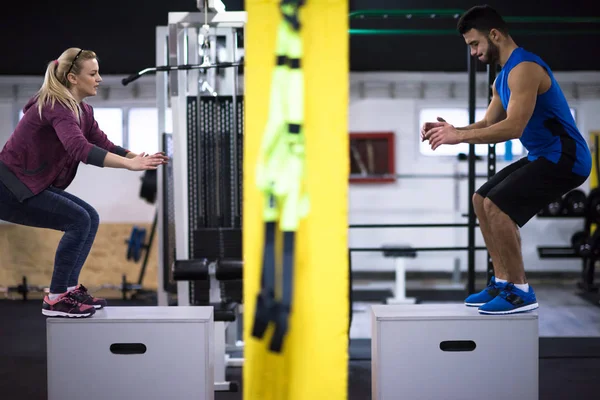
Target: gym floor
(569, 364)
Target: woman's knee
(81, 221)
(94, 218)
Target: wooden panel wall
(30, 252)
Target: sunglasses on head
(73, 62)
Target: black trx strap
(283, 308)
(266, 305)
(268, 309)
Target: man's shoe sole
(528, 307)
(474, 304)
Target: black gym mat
(569, 367)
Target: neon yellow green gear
(280, 172)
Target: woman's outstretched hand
(144, 161)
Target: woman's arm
(139, 162)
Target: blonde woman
(39, 161)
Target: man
(527, 104)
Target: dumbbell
(574, 202)
(555, 207)
(593, 206)
(579, 242)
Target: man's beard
(492, 54)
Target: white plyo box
(451, 352)
(125, 353)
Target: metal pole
(148, 246)
(350, 292)
(491, 170)
(472, 69)
(162, 100)
(234, 135)
(432, 225)
(412, 249)
(178, 92)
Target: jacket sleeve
(70, 135)
(98, 137)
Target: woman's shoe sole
(50, 313)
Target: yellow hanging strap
(280, 176)
(313, 363)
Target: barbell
(23, 289)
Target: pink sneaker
(81, 294)
(66, 305)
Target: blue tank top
(551, 132)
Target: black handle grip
(190, 270)
(229, 269)
(129, 79)
(128, 348)
(457, 345)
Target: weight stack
(215, 150)
(232, 291)
(218, 243)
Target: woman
(39, 161)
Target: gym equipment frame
(187, 38)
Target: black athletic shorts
(524, 187)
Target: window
(460, 117)
(143, 129)
(110, 121)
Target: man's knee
(478, 201)
(490, 208)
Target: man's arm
(523, 81)
(477, 125)
(494, 113)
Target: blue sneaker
(492, 290)
(511, 300)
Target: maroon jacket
(46, 151)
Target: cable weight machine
(199, 58)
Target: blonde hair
(56, 85)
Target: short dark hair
(482, 18)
